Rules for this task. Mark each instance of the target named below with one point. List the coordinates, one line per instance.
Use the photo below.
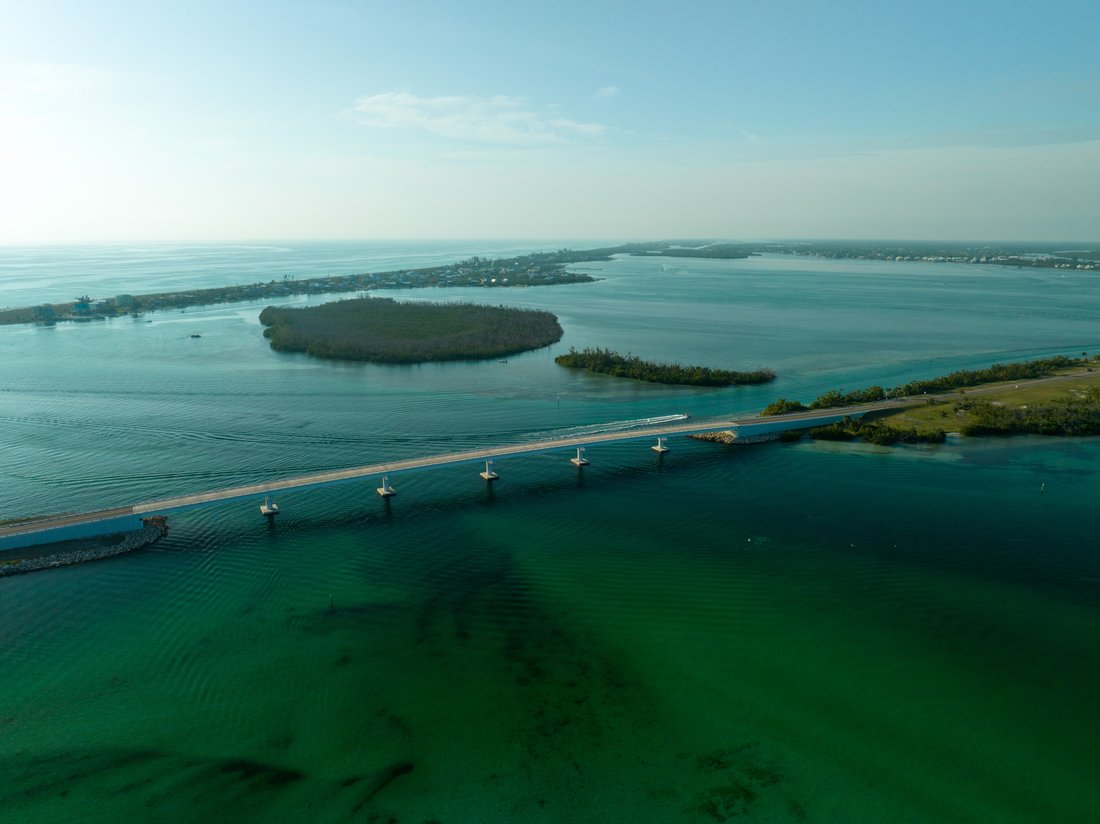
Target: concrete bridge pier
(269, 510)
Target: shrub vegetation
(607, 362)
(1060, 416)
(994, 374)
(875, 432)
(956, 380)
(783, 407)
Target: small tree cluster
(608, 362)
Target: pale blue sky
(196, 120)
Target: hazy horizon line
(541, 240)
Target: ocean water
(786, 632)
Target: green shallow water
(787, 632)
(780, 632)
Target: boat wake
(609, 426)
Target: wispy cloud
(499, 119)
(606, 92)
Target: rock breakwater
(155, 528)
(728, 437)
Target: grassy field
(940, 413)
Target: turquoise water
(812, 632)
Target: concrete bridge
(70, 526)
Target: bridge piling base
(269, 510)
(385, 490)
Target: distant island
(606, 362)
(382, 330)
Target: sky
(743, 119)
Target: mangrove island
(382, 330)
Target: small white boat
(668, 418)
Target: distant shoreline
(549, 268)
(534, 269)
(537, 269)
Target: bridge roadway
(118, 519)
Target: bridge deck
(799, 420)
